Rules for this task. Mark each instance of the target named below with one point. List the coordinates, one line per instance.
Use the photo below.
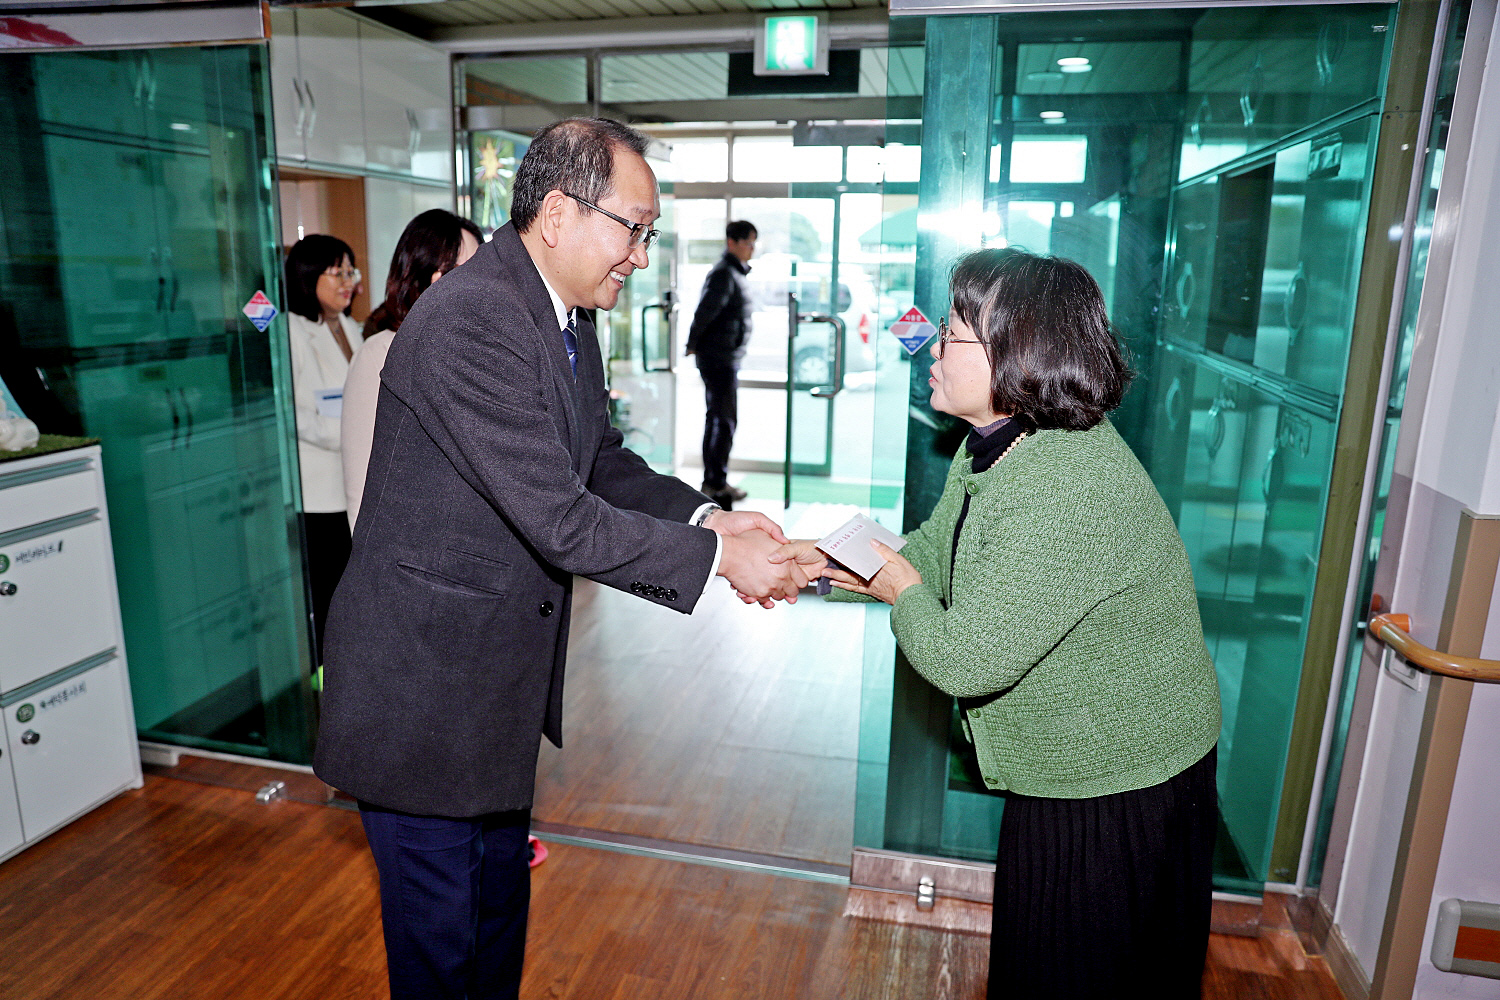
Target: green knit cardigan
(1071, 634)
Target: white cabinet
(328, 67)
(288, 106)
(67, 729)
(11, 836)
(350, 93)
(66, 755)
(408, 104)
(56, 576)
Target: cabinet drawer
(62, 610)
(69, 746)
(47, 492)
(10, 809)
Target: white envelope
(850, 545)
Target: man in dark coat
(721, 328)
(493, 479)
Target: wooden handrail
(1395, 632)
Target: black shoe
(733, 493)
(723, 497)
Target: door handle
(666, 318)
(7, 589)
(31, 737)
(187, 410)
(176, 417)
(301, 107)
(413, 133)
(312, 102)
(839, 332)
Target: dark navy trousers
(453, 900)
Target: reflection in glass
(1211, 169)
(697, 160)
(892, 163)
(152, 223)
(774, 159)
(562, 80)
(1052, 159)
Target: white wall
(1452, 462)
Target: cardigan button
(971, 488)
(992, 781)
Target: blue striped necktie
(570, 341)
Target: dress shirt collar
(557, 302)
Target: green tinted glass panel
(1212, 169)
(1257, 75)
(1453, 46)
(142, 196)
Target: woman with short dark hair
(431, 245)
(321, 279)
(1050, 593)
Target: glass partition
(139, 218)
(1212, 169)
(1453, 46)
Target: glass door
(142, 183)
(1213, 170)
(642, 355)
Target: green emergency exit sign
(792, 45)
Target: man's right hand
(745, 563)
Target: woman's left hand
(887, 584)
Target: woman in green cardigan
(1050, 593)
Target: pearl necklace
(1012, 446)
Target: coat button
(545, 609)
(671, 595)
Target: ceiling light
(1049, 115)
(182, 127)
(1074, 64)
(1047, 76)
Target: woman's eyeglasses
(641, 235)
(945, 337)
(348, 275)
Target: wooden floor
(735, 727)
(183, 890)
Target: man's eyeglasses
(641, 235)
(945, 337)
(349, 275)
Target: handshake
(759, 561)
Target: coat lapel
(515, 259)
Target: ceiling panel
(670, 76)
(555, 80)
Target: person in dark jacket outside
(721, 328)
(1050, 593)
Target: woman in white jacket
(320, 283)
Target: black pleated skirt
(1108, 896)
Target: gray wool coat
(494, 478)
